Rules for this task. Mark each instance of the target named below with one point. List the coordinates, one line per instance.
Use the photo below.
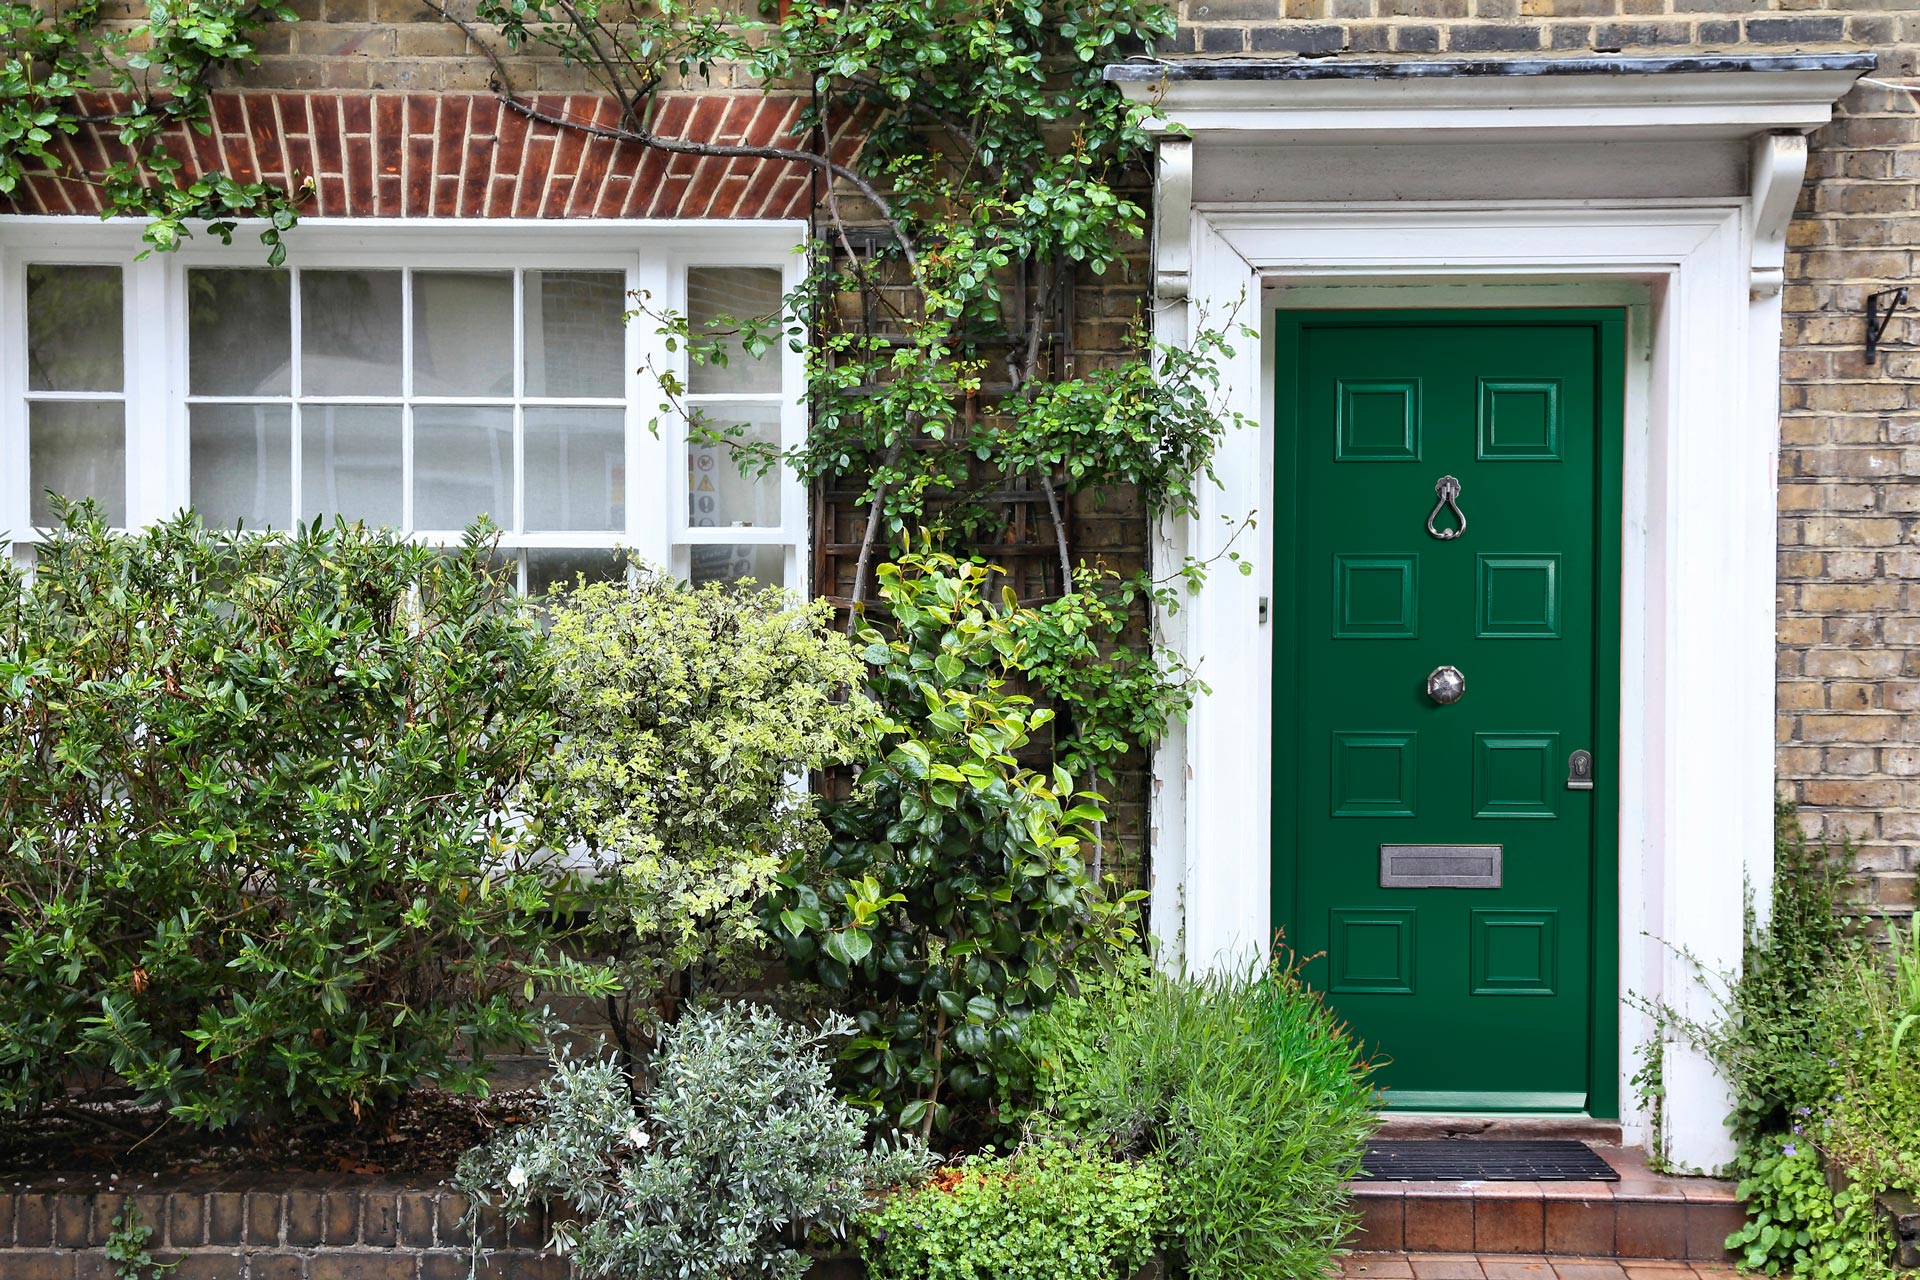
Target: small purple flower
(1798, 1129)
(1806, 1111)
(1789, 1150)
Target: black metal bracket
(1878, 320)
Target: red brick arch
(466, 155)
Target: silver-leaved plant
(736, 1152)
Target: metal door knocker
(1448, 491)
(1446, 684)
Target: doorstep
(1643, 1216)
(1509, 1266)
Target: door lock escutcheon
(1580, 771)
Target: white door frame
(1695, 778)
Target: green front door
(1442, 852)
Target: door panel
(1452, 890)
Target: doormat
(1484, 1160)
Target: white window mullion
(518, 515)
(156, 418)
(652, 519)
(15, 487)
(794, 513)
(406, 399)
(297, 376)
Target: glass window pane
(239, 332)
(350, 463)
(75, 330)
(462, 466)
(547, 568)
(576, 469)
(241, 466)
(718, 496)
(719, 298)
(575, 333)
(764, 564)
(78, 450)
(349, 333)
(462, 333)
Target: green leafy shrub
(737, 1148)
(687, 714)
(1045, 1213)
(1248, 1093)
(953, 897)
(1814, 1037)
(256, 856)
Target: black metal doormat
(1484, 1160)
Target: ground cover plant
(1817, 1038)
(1047, 1212)
(257, 857)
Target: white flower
(516, 1177)
(637, 1136)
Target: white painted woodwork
(1666, 194)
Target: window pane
(576, 469)
(239, 333)
(575, 333)
(718, 496)
(765, 565)
(742, 293)
(242, 464)
(462, 466)
(462, 333)
(78, 450)
(75, 331)
(350, 463)
(546, 569)
(349, 333)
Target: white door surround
(1660, 185)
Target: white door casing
(1661, 185)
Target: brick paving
(1507, 1266)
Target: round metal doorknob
(1446, 684)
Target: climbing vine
(64, 67)
(999, 174)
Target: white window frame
(654, 254)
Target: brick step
(1644, 1215)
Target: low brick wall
(260, 1227)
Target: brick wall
(1849, 620)
(1849, 611)
(277, 1227)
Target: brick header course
(467, 155)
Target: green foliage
(1797, 1224)
(256, 856)
(1054, 1212)
(126, 1248)
(737, 1147)
(952, 899)
(1254, 1101)
(1826, 1085)
(1112, 696)
(687, 713)
(164, 65)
